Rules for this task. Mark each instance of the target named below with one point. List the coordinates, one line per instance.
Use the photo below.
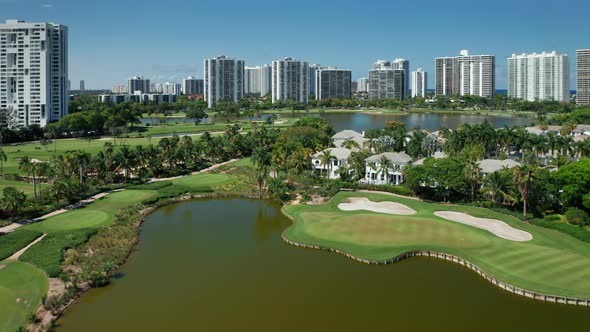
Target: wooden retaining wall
(457, 260)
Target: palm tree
(13, 200)
(523, 178)
(262, 161)
(326, 158)
(125, 159)
(472, 174)
(3, 158)
(384, 166)
(351, 144)
(82, 160)
(26, 166)
(496, 186)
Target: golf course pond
(220, 265)
(365, 121)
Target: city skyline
(355, 43)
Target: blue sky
(168, 40)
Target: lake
(220, 265)
(365, 121)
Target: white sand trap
(496, 227)
(361, 203)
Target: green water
(220, 265)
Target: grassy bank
(74, 227)
(552, 263)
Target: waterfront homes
(379, 173)
(339, 159)
(577, 130)
(489, 166)
(340, 138)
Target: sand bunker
(360, 203)
(496, 227)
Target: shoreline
(451, 258)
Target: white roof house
(488, 166)
(374, 174)
(342, 136)
(340, 159)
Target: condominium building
(363, 85)
(119, 89)
(155, 98)
(583, 77)
(354, 86)
(138, 84)
(82, 85)
(156, 88)
(466, 75)
(172, 89)
(290, 80)
(404, 65)
(419, 83)
(33, 73)
(224, 80)
(385, 82)
(539, 76)
(332, 83)
(313, 69)
(192, 86)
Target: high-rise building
(404, 65)
(252, 77)
(332, 83)
(82, 85)
(265, 80)
(34, 76)
(224, 80)
(354, 86)
(192, 86)
(385, 82)
(583, 77)
(290, 80)
(419, 83)
(138, 84)
(313, 69)
(539, 76)
(363, 84)
(466, 75)
(172, 89)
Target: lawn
(552, 263)
(25, 187)
(22, 286)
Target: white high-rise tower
(539, 76)
(419, 83)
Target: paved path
(19, 253)
(216, 166)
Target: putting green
(551, 263)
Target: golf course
(550, 263)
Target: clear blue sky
(168, 40)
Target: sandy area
(361, 203)
(496, 227)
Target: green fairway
(21, 288)
(552, 263)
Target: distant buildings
(539, 76)
(82, 85)
(258, 80)
(34, 85)
(136, 98)
(172, 89)
(404, 65)
(290, 80)
(354, 86)
(119, 89)
(224, 80)
(466, 75)
(386, 82)
(583, 77)
(138, 84)
(313, 69)
(333, 83)
(192, 86)
(363, 85)
(419, 83)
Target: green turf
(25, 187)
(552, 262)
(22, 287)
(15, 241)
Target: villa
(345, 135)
(395, 176)
(340, 159)
(489, 166)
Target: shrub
(553, 218)
(578, 232)
(577, 217)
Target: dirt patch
(361, 203)
(494, 226)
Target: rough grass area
(15, 241)
(25, 187)
(22, 286)
(552, 262)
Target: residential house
(340, 159)
(375, 175)
(489, 166)
(341, 137)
